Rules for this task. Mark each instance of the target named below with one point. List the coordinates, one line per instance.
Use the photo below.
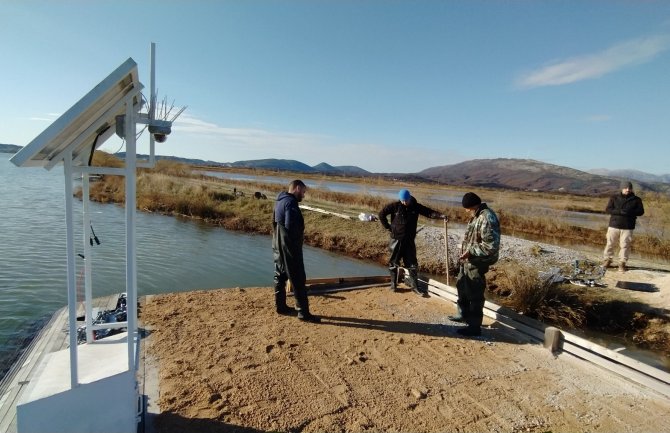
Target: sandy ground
(645, 278)
(380, 361)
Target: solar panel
(87, 124)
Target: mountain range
(507, 173)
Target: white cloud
(253, 137)
(195, 138)
(50, 117)
(596, 65)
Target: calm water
(172, 254)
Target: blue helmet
(404, 195)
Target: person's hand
(464, 257)
(444, 217)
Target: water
(327, 185)
(439, 198)
(172, 254)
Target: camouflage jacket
(482, 237)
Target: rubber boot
(458, 317)
(411, 279)
(394, 279)
(280, 298)
(302, 305)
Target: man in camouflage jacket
(480, 248)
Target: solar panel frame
(93, 116)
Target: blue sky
(389, 86)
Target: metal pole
(446, 249)
(88, 288)
(152, 104)
(131, 203)
(71, 278)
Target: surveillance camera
(160, 138)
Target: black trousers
(471, 284)
(296, 274)
(404, 250)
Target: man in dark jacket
(404, 216)
(624, 208)
(288, 234)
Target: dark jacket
(624, 210)
(287, 239)
(404, 218)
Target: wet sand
(380, 361)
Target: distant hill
(267, 164)
(275, 164)
(9, 148)
(521, 174)
(350, 170)
(640, 176)
(505, 173)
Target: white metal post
(88, 258)
(71, 277)
(152, 104)
(131, 204)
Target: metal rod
(446, 248)
(71, 291)
(88, 260)
(131, 258)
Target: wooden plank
(572, 342)
(528, 330)
(342, 289)
(349, 280)
(624, 371)
(618, 357)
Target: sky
(388, 86)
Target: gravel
(430, 247)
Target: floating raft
(53, 337)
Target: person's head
(626, 187)
(471, 202)
(404, 196)
(298, 189)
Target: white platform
(106, 399)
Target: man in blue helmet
(404, 216)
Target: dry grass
(521, 289)
(172, 189)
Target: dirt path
(379, 362)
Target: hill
(523, 174)
(275, 164)
(505, 173)
(350, 170)
(9, 148)
(640, 176)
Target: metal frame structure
(72, 139)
